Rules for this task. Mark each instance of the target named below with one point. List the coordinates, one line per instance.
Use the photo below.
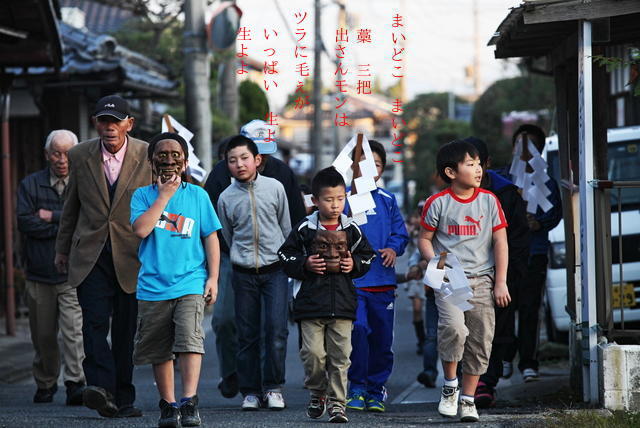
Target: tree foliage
(161, 30)
(253, 102)
(525, 93)
(429, 127)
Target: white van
(623, 164)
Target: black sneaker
(427, 380)
(74, 393)
(189, 412)
(317, 406)
(337, 415)
(45, 395)
(228, 386)
(169, 415)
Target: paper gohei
(194, 169)
(450, 281)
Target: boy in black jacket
(326, 250)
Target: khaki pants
(53, 307)
(467, 336)
(325, 351)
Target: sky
(439, 42)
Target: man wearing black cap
(98, 249)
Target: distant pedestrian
(326, 251)
(53, 302)
(180, 256)
(99, 249)
(372, 338)
(255, 217)
(481, 248)
(529, 292)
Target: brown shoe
(99, 399)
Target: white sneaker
(507, 369)
(530, 375)
(468, 412)
(449, 401)
(251, 402)
(274, 400)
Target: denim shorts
(169, 327)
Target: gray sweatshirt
(255, 220)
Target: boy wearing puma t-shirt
(468, 222)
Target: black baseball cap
(112, 105)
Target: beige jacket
(88, 218)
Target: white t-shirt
(465, 227)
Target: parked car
(623, 164)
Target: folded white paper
(533, 184)
(365, 184)
(307, 201)
(433, 276)
(361, 202)
(342, 163)
(194, 169)
(360, 218)
(451, 282)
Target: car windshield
(623, 165)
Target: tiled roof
(96, 57)
(99, 18)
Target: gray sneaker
(449, 401)
(468, 412)
(251, 402)
(530, 375)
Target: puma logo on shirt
(177, 223)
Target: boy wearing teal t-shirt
(179, 256)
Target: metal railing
(612, 332)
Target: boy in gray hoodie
(255, 218)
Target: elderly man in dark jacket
(53, 303)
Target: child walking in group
(372, 339)
(468, 222)
(255, 216)
(179, 256)
(326, 251)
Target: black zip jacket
(35, 192)
(331, 295)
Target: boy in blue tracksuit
(372, 336)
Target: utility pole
(316, 128)
(196, 78)
(476, 50)
(228, 89)
(7, 204)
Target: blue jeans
(257, 298)
(223, 321)
(430, 350)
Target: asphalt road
(18, 410)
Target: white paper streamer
(533, 184)
(194, 169)
(456, 289)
